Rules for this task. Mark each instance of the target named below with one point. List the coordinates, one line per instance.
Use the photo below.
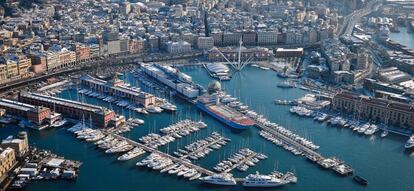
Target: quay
(174, 159)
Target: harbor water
(382, 161)
(403, 37)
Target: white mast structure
(239, 65)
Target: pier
(202, 148)
(241, 162)
(290, 141)
(174, 159)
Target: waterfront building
(35, 114)
(39, 62)
(7, 161)
(205, 43)
(363, 60)
(82, 53)
(98, 116)
(257, 54)
(267, 37)
(20, 145)
(393, 75)
(218, 38)
(116, 88)
(94, 51)
(179, 47)
(190, 38)
(14, 66)
(53, 60)
(377, 109)
(231, 38)
(249, 38)
(294, 52)
(67, 58)
(136, 46)
(154, 42)
(117, 46)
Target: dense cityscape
(123, 95)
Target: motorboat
(258, 180)
(410, 142)
(220, 179)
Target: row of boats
(260, 119)
(202, 147)
(172, 132)
(110, 144)
(261, 67)
(272, 138)
(335, 164)
(162, 104)
(357, 126)
(275, 179)
(164, 164)
(242, 160)
(365, 128)
(263, 121)
(183, 127)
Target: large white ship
(220, 179)
(173, 78)
(258, 180)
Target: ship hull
(220, 118)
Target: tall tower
(206, 27)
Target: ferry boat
(410, 143)
(227, 115)
(258, 180)
(220, 179)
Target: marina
(302, 168)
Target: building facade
(7, 160)
(377, 109)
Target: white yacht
(154, 109)
(220, 179)
(384, 133)
(59, 123)
(410, 142)
(258, 180)
(131, 154)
